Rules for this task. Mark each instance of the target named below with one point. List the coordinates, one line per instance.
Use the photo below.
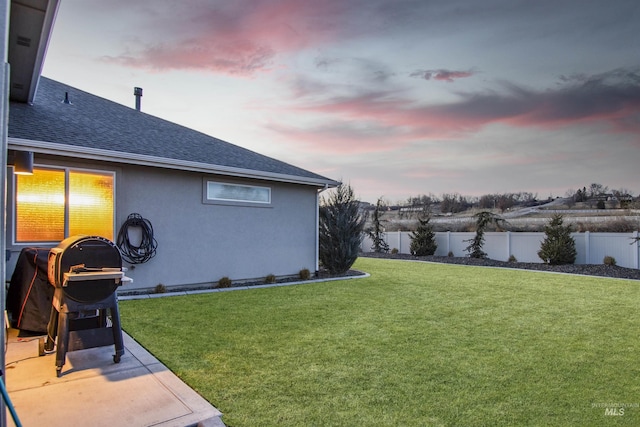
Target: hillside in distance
(595, 215)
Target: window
(226, 192)
(53, 204)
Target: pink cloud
(612, 98)
(238, 37)
(412, 120)
(339, 136)
(232, 57)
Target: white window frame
(67, 170)
(212, 199)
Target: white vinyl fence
(524, 246)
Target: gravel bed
(584, 269)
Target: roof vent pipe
(137, 91)
(66, 98)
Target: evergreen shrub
(423, 240)
(341, 230)
(558, 247)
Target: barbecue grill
(86, 272)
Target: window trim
(206, 199)
(67, 170)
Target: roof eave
(86, 153)
(27, 60)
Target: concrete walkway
(94, 391)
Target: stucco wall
(198, 243)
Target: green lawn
(416, 344)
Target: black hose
(146, 250)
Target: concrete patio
(95, 391)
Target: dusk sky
(397, 98)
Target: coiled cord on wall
(146, 250)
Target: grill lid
(79, 258)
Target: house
(216, 209)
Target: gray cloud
(442, 74)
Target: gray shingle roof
(97, 123)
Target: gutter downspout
(4, 123)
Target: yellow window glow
(40, 206)
(91, 204)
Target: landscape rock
(600, 270)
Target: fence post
(448, 242)
(508, 245)
(636, 250)
(587, 248)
